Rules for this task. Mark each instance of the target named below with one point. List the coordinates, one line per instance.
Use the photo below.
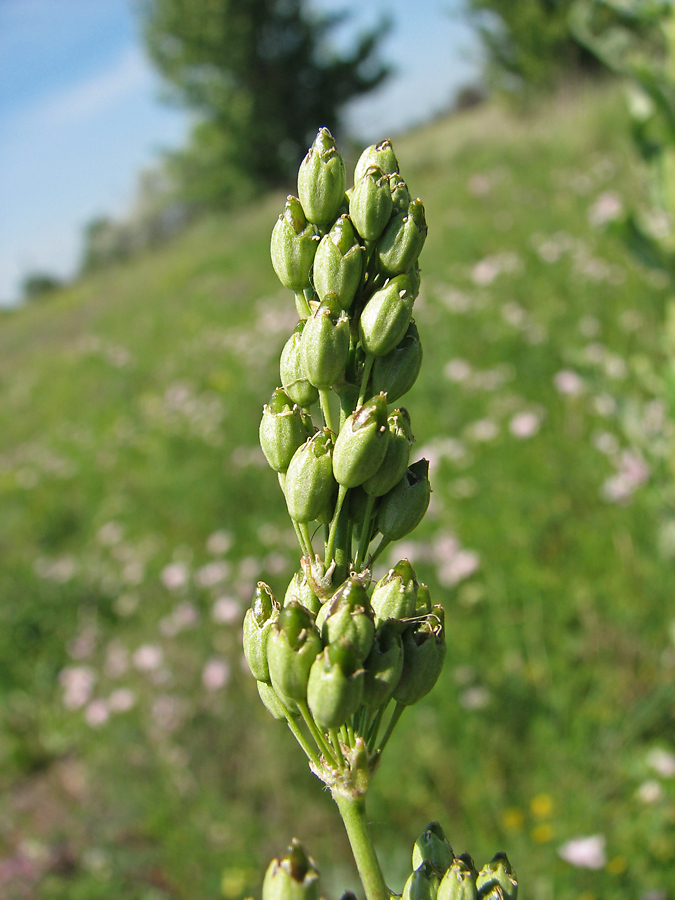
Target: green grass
(134, 397)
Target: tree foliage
(263, 77)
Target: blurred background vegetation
(138, 513)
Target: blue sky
(80, 111)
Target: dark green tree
(263, 76)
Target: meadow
(138, 513)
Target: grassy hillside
(138, 513)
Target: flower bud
(422, 884)
(403, 239)
(497, 879)
(397, 372)
(294, 244)
(395, 596)
(292, 371)
(335, 685)
(293, 877)
(381, 155)
(299, 591)
(322, 180)
(370, 203)
(423, 654)
(383, 666)
(273, 703)
(257, 623)
(433, 847)
(403, 508)
(325, 343)
(282, 430)
(348, 618)
(400, 196)
(338, 263)
(459, 882)
(309, 479)
(292, 646)
(386, 316)
(361, 445)
(397, 457)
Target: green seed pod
(383, 666)
(273, 704)
(370, 204)
(403, 508)
(397, 457)
(422, 884)
(292, 877)
(415, 277)
(309, 479)
(299, 591)
(381, 155)
(325, 343)
(397, 372)
(386, 316)
(395, 596)
(322, 180)
(294, 244)
(282, 430)
(362, 443)
(497, 879)
(335, 685)
(423, 606)
(459, 882)
(257, 623)
(347, 617)
(292, 646)
(433, 847)
(338, 263)
(292, 370)
(400, 196)
(403, 239)
(423, 654)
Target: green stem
(353, 812)
(367, 366)
(365, 533)
(300, 738)
(335, 740)
(398, 712)
(321, 742)
(384, 543)
(325, 409)
(302, 305)
(304, 528)
(330, 544)
(375, 727)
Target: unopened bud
(383, 666)
(322, 180)
(497, 879)
(397, 372)
(459, 882)
(370, 203)
(335, 685)
(395, 596)
(386, 316)
(403, 239)
(338, 263)
(422, 884)
(282, 430)
(362, 443)
(257, 623)
(433, 847)
(294, 244)
(292, 371)
(423, 655)
(292, 877)
(292, 646)
(325, 343)
(403, 508)
(397, 457)
(381, 155)
(309, 479)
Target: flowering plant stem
(353, 812)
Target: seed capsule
(422, 884)
(292, 646)
(459, 882)
(282, 430)
(397, 457)
(403, 508)
(423, 655)
(273, 703)
(335, 685)
(294, 245)
(386, 316)
(381, 155)
(322, 180)
(257, 624)
(395, 596)
(338, 263)
(383, 666)
(292, 877)
(433, 847)
(292, 370)
(299, 591)
(397, 372)
(325, 343)
(347, 617)
(309, 479)
(497, 880)
(361, 445)
(400, 196)
(370, 203)
(403, 239)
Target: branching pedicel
(340, 666)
